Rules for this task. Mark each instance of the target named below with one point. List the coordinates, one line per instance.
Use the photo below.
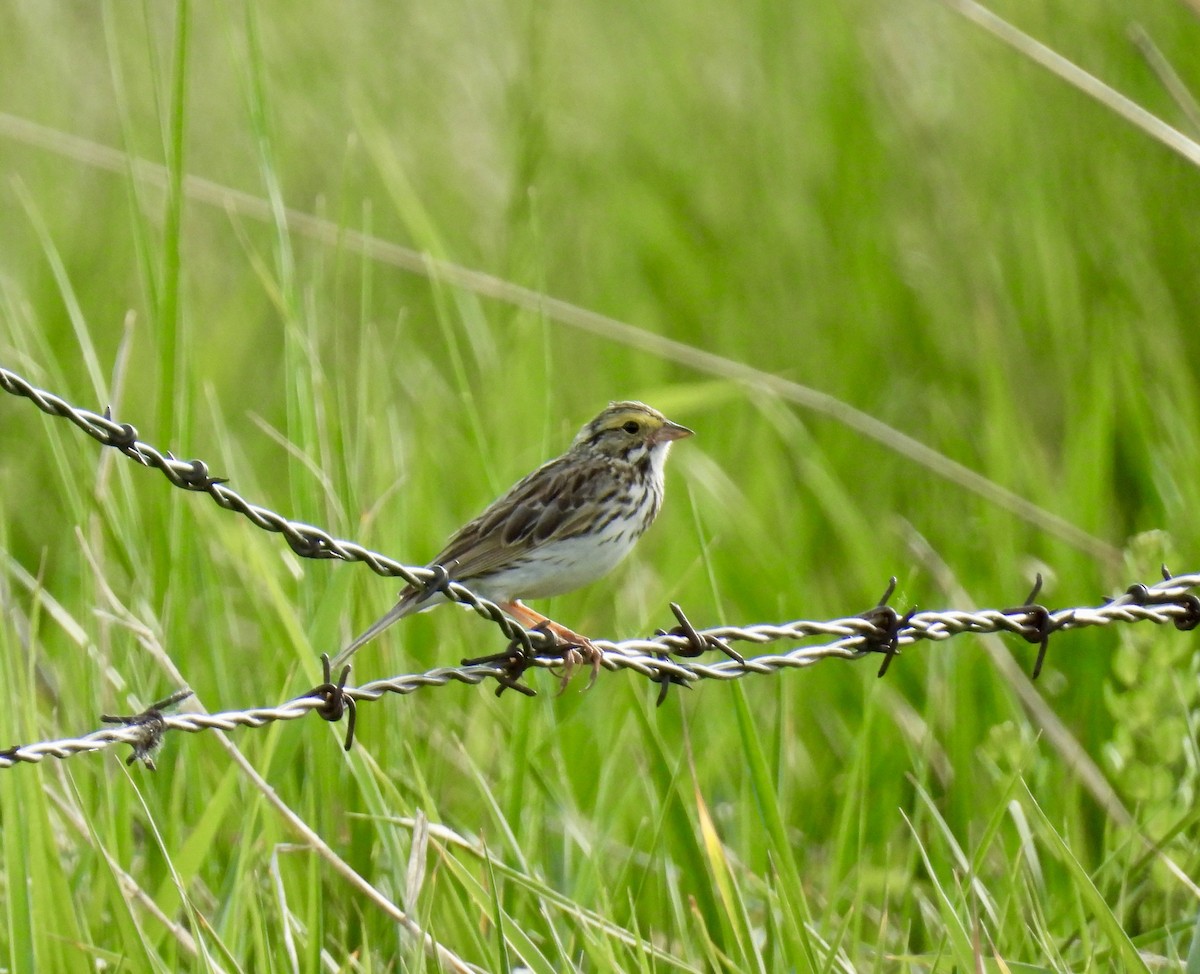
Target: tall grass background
(878, 201)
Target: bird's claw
(576, 655)
(576, 650)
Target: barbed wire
(665, 659)
(305, 540)
(1169, 601)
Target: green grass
(876, 201)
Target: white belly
(560, 567)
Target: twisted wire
(878, 630)
(1169, 601)
(305, 540)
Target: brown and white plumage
(563, 526)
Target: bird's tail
(398, 611)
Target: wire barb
(335, 701)
(124, 435)
(1140, 594)
(887, 624)
(667, 680)
(437, 582)
(1039, 624)
(698, 642)
(151, 726)
(1191, 604)
(512, 662)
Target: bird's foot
(577, 649)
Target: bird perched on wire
(564, 526)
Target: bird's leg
(577, 649)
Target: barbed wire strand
(1167, 602)
(880, 630)
(305, 540)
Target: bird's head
(629, 430)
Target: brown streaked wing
(552, 502)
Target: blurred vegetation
(875, 200)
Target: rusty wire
(664, 659)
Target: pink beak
(670, 431)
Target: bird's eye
(633, 426)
